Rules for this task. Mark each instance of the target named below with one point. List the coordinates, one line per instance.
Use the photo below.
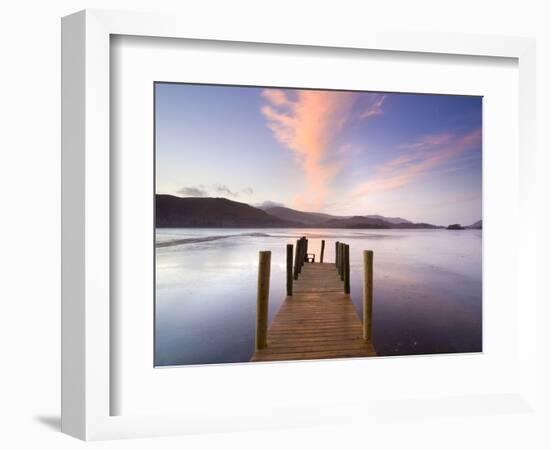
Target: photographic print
(302, 224)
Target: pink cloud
(276, 97)
(429, 141)
(426, 154)
(308, 125)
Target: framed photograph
(292, 214)
(345, 157)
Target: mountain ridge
(393, 220)
(211, 212)
(317, 219)
(307, 218)
(476, 225)
(220, 212)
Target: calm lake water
(427, 289)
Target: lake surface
(427, 289)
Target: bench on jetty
(317, 319)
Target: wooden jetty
(317, 319)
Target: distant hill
(369, 222)
(207, 212)
(476, 226)
(305, 218)
(328, 220)
(394, 220)
(455, 226)
(411, 225)
(355, 222)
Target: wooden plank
(318, 321)
(263, 355)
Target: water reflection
(427, 289)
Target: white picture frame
(86, 247)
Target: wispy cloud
(223, 189)
(373, 106)
(219, 189)
(308, 123)
(429, 141)
(269, 204)
(423, 156)
(192, 192)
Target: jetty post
(297, 259)
(336, 254)
(322, 251)
(367, 294)
(303, 250)
(301, 258)
(346, 269)
(336, 258)
(262, 299)
(339, 268)
(341, 258)
(289, 274)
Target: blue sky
(339, 152)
